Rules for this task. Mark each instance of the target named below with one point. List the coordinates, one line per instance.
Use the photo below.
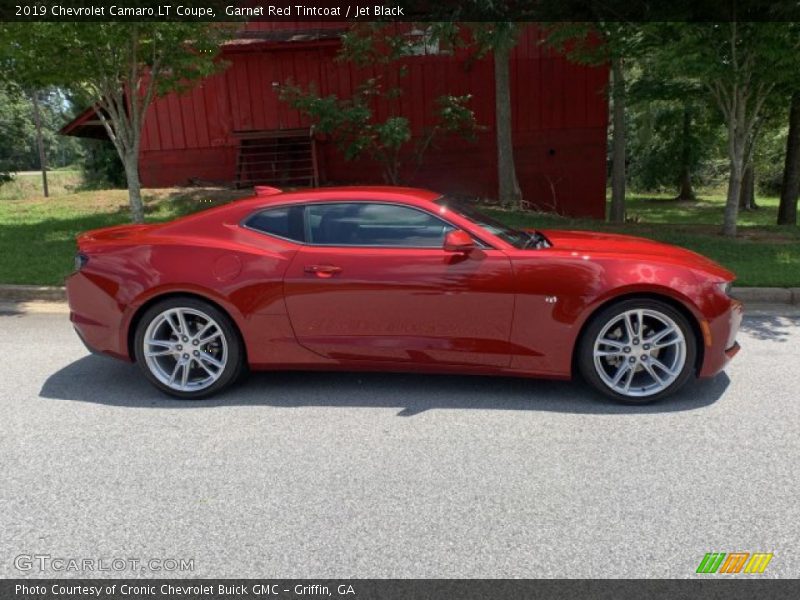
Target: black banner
(712, 587)
(398, 10)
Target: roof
(86, 125)
(249, 39)
(239, 209)
(354, 193)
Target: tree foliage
(790, 178)
(670, 140)
(615, 44)
(14, 126)
(690, 103)
(675, 134)
(18, 150)
(741, 65)
(353, 123)
(117, 67)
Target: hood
(634, 248)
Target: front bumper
(720, 339)
(733, 350)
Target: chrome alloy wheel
(185, 349)
(639, 352)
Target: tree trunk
(686, 193)
(509, 193)
(617, 213)
(732, 201)
(790, 188)
(37, 119)
(131, 162)
(747, 193)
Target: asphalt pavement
(377, 475)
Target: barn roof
(249, 38)
(87, 125)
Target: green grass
(28, 184)
(707, 210)
(37, 234)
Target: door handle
(323, 270)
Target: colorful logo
(734, 562)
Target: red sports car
(397, 279)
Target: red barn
(232, 128)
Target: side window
(284, 221)
(367, 224)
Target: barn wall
(559, 122)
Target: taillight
(80, 261)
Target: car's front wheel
(188, 348)
(638, 351)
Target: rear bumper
(96, 317)
(720, 339)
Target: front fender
(557, 294)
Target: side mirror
(458, 240)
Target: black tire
(607, 317)
(233, 365)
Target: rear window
(284, 221)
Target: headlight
(80, 261)
(725, 287)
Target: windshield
(515, 237)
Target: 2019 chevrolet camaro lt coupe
(396, 279)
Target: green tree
(671, 143)
(57, 109)
(790, 188)
(761, 144)
(740, 64)
(496, 29)
(352, 122)
(120, 67)
(14, 125)
(675, 133)
(17, 128)
(499, 38)
(100, 166)
(616, 44)
(40, 149)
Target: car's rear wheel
(188, 348)
(638, 351)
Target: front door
(374, 283)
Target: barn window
(283, 157)
(422, 42)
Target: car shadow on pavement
(102, 380)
